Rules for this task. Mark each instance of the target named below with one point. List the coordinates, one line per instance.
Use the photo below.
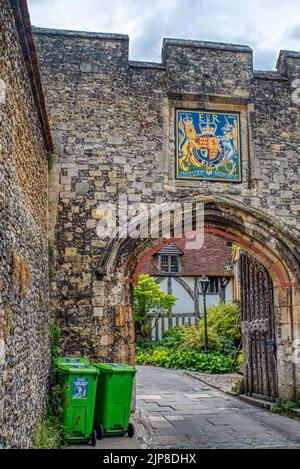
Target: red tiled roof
(210, 260)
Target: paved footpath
(179, 411)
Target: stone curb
(266, 405)
(228, 392)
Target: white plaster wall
(210, 300)
(229, 292)
(185, 303)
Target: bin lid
(72, 360)
(77, 368)
(115, 368)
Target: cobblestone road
(181, 412)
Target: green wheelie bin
(80, 382)
(113, 399)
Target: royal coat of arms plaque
(208, 146)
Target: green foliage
(181, 347)
(188, 360)
(50, 433)
(237, 389)
(56, 402)
(223, 326)
(154, 357)
(50, 159)
(286, 407)
(173, 337)
(239, 360)
(47, 435)
(149, 298)
(54, 340)
(51, 251)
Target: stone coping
(82, 34)
(206, 45)
(262, 75)
(141, 64)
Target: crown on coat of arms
(208, 128)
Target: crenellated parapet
(179, 54)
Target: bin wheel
(100, 432)
(130, 430)
(94, 438)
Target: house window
(169, 264)
(213, 285)
(164, 264)
(174, 264)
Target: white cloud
(265, 25)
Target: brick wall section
(24, 297)
(210, 260)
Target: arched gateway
(200, 127)
(269, 294)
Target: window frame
(215, 281)
(170, 266)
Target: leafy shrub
(188, 360)
(149, 302)
(193, 337)
(239, 360)
(154, 357)
(223, 326)
(142, 345)
(50, 433)
(181, 347)
(173, 338)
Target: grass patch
(286, 407)
(49, 434)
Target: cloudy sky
(265, 25)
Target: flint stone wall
(24, 292)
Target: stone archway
(263, 238)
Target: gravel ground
(224, 382)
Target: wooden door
(258, 329)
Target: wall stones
(24, 298)
(113, 128)
(2, 91)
